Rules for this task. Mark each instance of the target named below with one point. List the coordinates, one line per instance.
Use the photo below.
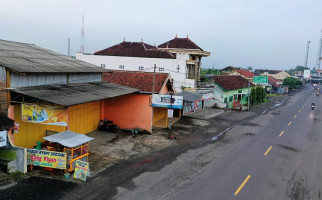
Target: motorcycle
(107, 125)
(312, 106)
(317, 94)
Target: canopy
(69, 138)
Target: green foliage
(209, 71)
(292, 83)
(257, 95)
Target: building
(24, 65)
(40, 110)
(231, 91)
(243, 73)
(180, 57)
(278, 74)
(135, 110)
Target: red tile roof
(273, 81)
(246, 73)
(135, 49)
(229, 82)
(139, 80)
(180, 43)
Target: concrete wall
(129, 111)
(133, 63)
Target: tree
(249, 68)
(292, 83)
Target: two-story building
(180, 57)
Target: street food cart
(75, 145)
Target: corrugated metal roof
(190, 96)
(69, 138)
(27, 58)
(77, 93)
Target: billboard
(261, 79)
(166, 101)
(3, 138)
(306, 74)
(44, 114)
(42, 158)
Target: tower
(68, 48)
(82, 36)
(319, 57)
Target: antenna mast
(82, 36)
(68, 50)
(319, 57)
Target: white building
(180, 57)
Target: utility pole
(307, 53)
(153, 84)
(170, 119)
(68, 50)
(82, 36)
(248, 92)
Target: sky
(265, 34)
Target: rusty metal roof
(29, 58)
(77, 93)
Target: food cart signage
(166, 101)
(42, 158)
(3, 138)
(81, 170)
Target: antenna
(307, 53)
(68, 50)
(319, 57)
(82, 36)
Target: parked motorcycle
(107, 125)
(317, 94)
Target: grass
(273, 95)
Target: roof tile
(231, 82)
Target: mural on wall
(44, 115)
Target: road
(267, 156)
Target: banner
(3, 138)
(42, 158)
(81, 170)
(44, 115)
(166, 101)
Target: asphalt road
(274, 156)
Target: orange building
(135, 110)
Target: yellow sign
(44, 115)
(42, 158)
(81, 170)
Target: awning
(69, 138)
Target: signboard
(44, 115)
(166, 101)
(261, 79)
(42, 158)
(3, 138)
(306, 73)
(170, 113)
(81, 170)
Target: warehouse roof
(190, 96)
(29, 58)
(77, 93)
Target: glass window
(225, 100)
(231, 99)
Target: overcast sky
(270, 34)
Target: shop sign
(261, 79)
(170, 113)
(81, 170)
(3, 138)
(42, 158)
(208, 96)
(44, 115)
(166, 101)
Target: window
(225, 100)
(161, 69)
(121, 66)
(103, 65)
(230, 98)
(240, 91)
(141, 68)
